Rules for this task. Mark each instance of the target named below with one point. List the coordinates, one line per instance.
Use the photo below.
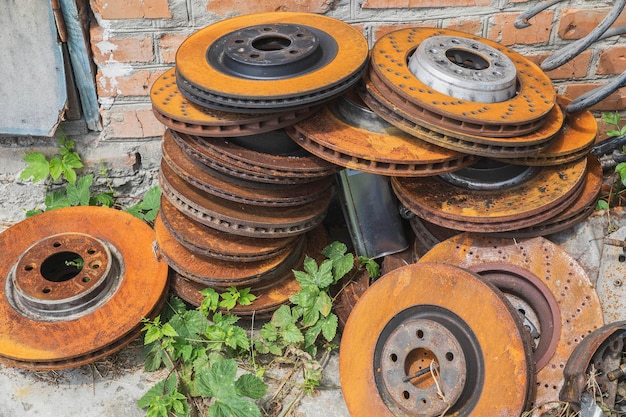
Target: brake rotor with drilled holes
(574, 140)
(349, 134)
(292, 166)
(267, 299)
(236, 189)
(77, 283)
(548, 191)
(554, 291)
(523, 113)
(217, 273)
(446, 136)
(422, 317)
(579, 210)
(176, 112)
(270, 61)
(210, 242)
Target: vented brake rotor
(534, 197)
(349, 134)
(77, 283)
(521, 114)
(178, 113)
(416, 334)
(546, 285)
(270, 62)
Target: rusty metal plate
(236, 189)
(523, 205)
(521, 114)
(270, 61)
(178, 113)
(206, 241)
(269, 298)
(241, 219)
(574, 140)
(564, 291)
(237, 161)
(603, 350)
(425, 314)
(218, 273)
(356, 141)
(528, 144)
(57, 314)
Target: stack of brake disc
(498, 155)
(242, 203)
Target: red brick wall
(134, 41)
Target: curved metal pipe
(522, 20)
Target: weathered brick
(503, 30)
(169, 44)
(131, 9)
(382, 30)
(612, 60)
(577, 23)
(226, 7)
(576, 68)
(410, 4)
(120, 49)
(616, 101)
(136, 83)
(471, 26)
(132, 124)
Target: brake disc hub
(465, 69)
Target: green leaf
(611, 118)
(168, 330)
(234, 407)
(237, 337)
(269, 332)
(310, 317)
(210, 301)
(323, 303)
(79, 194)
(602, 205)
(282, 317)
(291, 334)
(335, 250)
(250, 386)
(341, 266)
(153, 333)
(153, 356)
(38, 167)
(33, 212)
(56, 199)
(219, 380)
(69, 162)
(613, 133)
(245, 297)
(56, 168)
(190, 324)
(157, 390)
(329, 327)
(372, 267)
(152, 199)
(324, 277)
(136, 211)
(102, 199)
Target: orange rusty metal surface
(579, 308)
(390, 153)
(351, 58)
(523, 205)
(574, 140)
(501, 340)
(240, 190)
(96, 331)
(521, 114)
(176, 112)
(240, 219)
(401, 115)
(218, 273)
(226, 157)
(211, 242)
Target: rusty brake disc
(555, 294)
(427, 336)
(539, 196)
(236, 189)
(349, 134)
(218, 273)
(523, 113)
(268, 299)
(270, 61)
(446, 136)
(207, 241)
(292, 167)
(77, 283)
(574, 140)
(176, 112)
